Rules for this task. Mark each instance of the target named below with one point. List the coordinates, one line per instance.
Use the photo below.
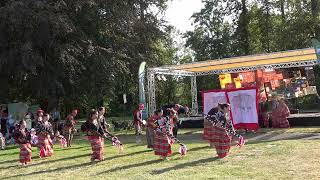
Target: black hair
(92, 112)
(101, 108)
(157, 111)
(223, 105)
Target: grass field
(270, 154)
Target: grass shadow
(131, 166)
(50, 170)
(130, 154)
(184, 165)
(61, 159)
(15, 160)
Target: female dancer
(69, 127)
(151, 126)
(44, 131)
(22, 137)
(91, 128)
(219, 132)
(163, 138)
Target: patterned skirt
(220, 140)
(25, 153)
(45, 145)
(162, 144)
(97, 145)
(279, 121)
(206, 128)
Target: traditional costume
(44, 131)
(69, 127)
(95, 137)
(219, 132)
(137, 120)
(22, 137)
(279, 116)
(150, 130)
(163, 138)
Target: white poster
(243, 106)
(211, 100)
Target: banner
(210, 99)
(243, 102)
(142, 96)
(244, 107)
(17, 110)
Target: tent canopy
(285, 59)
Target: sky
(179, 12)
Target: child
(22, 137)
(34, 137)
(2, 140)
(61, 139)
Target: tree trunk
(315, 17)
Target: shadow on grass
(62, 159)
(64, 149)
(130, 154)
(50, 170)
(15, 160)
(184, 165)
(146, 163)
(12, 153)
(268, 138)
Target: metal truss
(253, 68)
(194, 93)
(165, 71)
(151, 91)
(152, 72)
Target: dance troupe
(218, 131)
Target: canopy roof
(285, 59)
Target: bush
(309, 102)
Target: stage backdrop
(211, 99)
(244, 107)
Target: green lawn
(270, 154)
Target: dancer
(38, 118)
(163, 137)
(221, 130)
(44, 132)
(102, 123)
(61, 139)
(280, 114)
(91, 128)
(69, 127)
(137, 120)
(22, 137)
(151, 126)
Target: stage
(305, 119)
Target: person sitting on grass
(280, 114)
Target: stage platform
(303, 119)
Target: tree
(80, 53)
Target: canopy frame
(280, 60)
